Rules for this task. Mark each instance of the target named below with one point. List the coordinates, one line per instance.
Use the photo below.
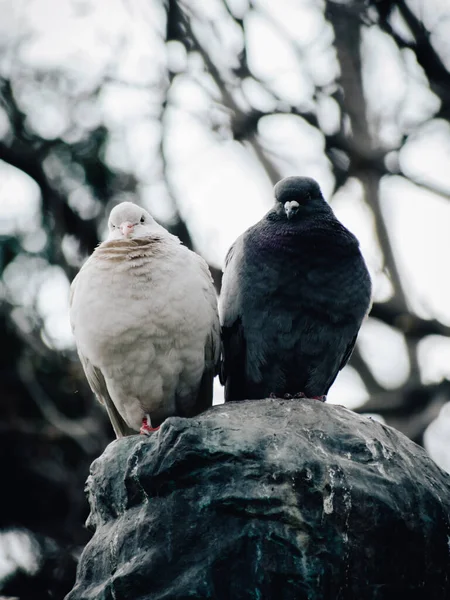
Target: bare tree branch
(408, 323)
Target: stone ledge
(267, 499)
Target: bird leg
(146, 427)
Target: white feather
(143, 311)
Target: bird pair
(144, 312)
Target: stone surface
(267, 499)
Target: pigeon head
(294, 196)
(130, 221)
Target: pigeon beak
(126, 228)
(291, 208)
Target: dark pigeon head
(296, 195)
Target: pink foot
(319, 398)
(146, 427)
(146, 430)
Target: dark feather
(232, 372)
(295, 292)
(348, 352)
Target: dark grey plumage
(295, 291)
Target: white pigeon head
(130, 221)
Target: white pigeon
(144, 315)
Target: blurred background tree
(194, 110)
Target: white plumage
(144, 315)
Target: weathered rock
(267, 499)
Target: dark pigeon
(294, 294)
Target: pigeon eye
(142, 219)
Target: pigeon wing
(98, 386)
(348, 352)
(97, 381)
(347, 292)
(233, 367)
(233, 360)
(211, 352)
(205, 391)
